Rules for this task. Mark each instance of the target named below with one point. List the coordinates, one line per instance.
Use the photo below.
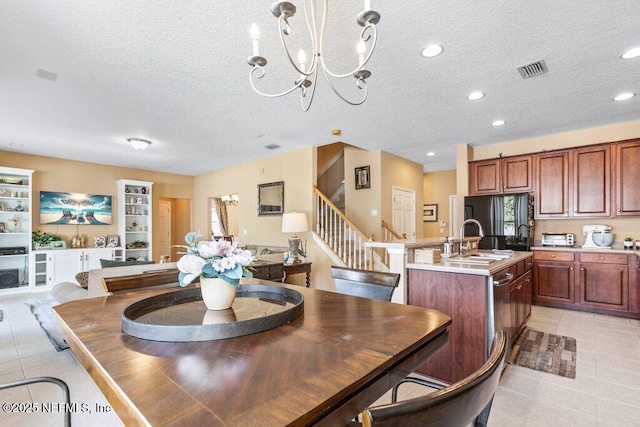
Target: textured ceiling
(176, 73)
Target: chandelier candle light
(307, 75)
(294, 222)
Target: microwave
(557, 239)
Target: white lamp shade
(294, 222)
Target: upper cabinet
(552, 184)
(591, 182)
(573, 183)
(627, 159)
(498, 176)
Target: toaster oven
(557, 239)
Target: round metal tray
(181, 316)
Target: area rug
(555, 354)
(43, 312)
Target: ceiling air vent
(272, 146)
(533, 69)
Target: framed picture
(113, 241)
(430, 213)
(138, 200)
(58, 244)
(100, 242)
(363, 180)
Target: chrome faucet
(465, 222)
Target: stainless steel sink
(471, 259)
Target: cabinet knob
(601, 258)
(581, 268)
(553, 256)
(571, 268)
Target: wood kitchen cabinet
(553, 277)
(520, 304)
(551, 177)
(591, 182)
(607, 283)
(501, 176)
(604, 280)
(627, 159)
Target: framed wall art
(363, 179)
(430, 213)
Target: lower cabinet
(588, 281)
(553, 274)
(57, 266)
(520, 304)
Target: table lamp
(294, 222)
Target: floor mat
(555, 354)
(43, 312)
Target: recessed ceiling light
(631, 53)
(139, 144)
(473, 96)
(624, 96)
(498, 123)
(431, 154)
(432, 50)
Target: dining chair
(365, 283)
(466, 402)
(65, 392)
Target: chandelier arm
(360, 83)
(313, 30)
(269, 95)
(374, 40)
(313, 92)
(286, 49)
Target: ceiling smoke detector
(533, 69)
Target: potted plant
(219, 265)
(43, 240)
(628, 243)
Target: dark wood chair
(466, 402)
(365, 283)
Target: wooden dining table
(322, 368)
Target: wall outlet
(374, 212)
(244, 232)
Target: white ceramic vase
(216, 293)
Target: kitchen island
(480, 296)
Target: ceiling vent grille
(533, 69)
(272, 146)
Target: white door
(164, 230)
(404, 212)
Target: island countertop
(471, 268)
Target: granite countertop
(470, 268)
(613, 250)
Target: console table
(300, 267)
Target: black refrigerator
(506, 219)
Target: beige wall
(327, 153)
(404, 174)
(71, 176)
(360, 203)
(297, 169)
(437, 187)
(610, 133)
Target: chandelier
(308, 73)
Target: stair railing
(340, 234)
(388, 234)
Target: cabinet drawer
(604, 258)
(553, 256)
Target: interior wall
(437, 187)
(405, 174)
(359, 204)
(72, 176)
(610, 133)
(326, 153)
(298, 170)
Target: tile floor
(606, 391)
